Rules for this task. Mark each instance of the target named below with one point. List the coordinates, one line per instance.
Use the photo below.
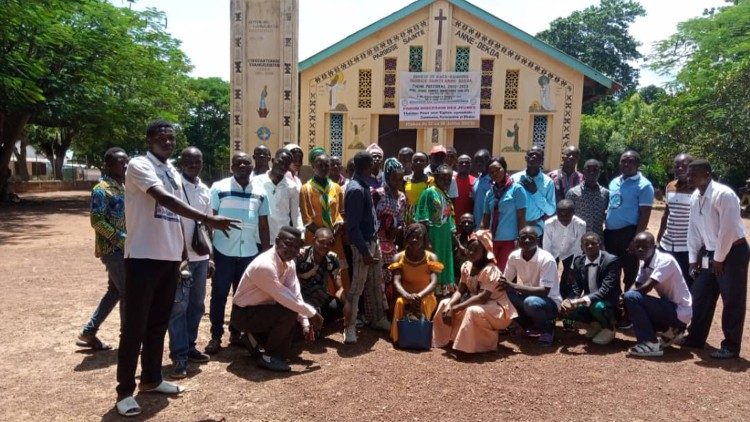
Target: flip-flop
(128, 407)
(166, 387)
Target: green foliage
(599, 37)
(205, 124)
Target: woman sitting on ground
(415, 273)
(473, 324)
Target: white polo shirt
(670, 283)
(154, 232)
(540, 270)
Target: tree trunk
(59, 150)
(20, 153)
(11, 128)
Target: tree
(709, 110)
(89, 69)
(599, 37)
(205, 125)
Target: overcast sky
(203, 25)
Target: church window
(462, 59)
(511, 89)
(415, 58)
(539, 131)
(389, 83)
(365, 88)
(337, 135)
(486, 92)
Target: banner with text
(439, 99)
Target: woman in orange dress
(415, 273)
(473, 324)
(321, 203)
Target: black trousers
(732, 287)
(566, 287)
(275, 321)
(617, 242)
(146, 305)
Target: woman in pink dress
(473, 325)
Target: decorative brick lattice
(337, 135)
(389, 82)
(511, 89)
(365, 88)
(486, 93)
(415, 58)
(462, 59)
(539, 131)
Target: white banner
(439, 99)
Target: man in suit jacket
(596, 290)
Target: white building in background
(39, 167)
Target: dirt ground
(51, 282)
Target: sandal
(166, 387)
(646, 349)
(724, 353)
(128, 407)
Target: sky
(203, 25)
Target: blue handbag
(414, 334)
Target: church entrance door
(391, 138)
(470, 140)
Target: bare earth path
(50, 283)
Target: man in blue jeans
(533, 286)
(670, 313)
(108, 222)
(189, 306)
(235, 197)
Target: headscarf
(390, 166)
(374, 148)
(315, 153)
(484, 237)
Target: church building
(529, 93)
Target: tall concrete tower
(263, 82)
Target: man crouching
(268, 301)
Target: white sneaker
(593, 329)
(605, 336)
(350, 334)
(383, 324)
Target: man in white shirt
(719, 255)
(562, 239)
(189, 301)
(669, 313)
(533, 285)
(269, 301)
(282, 194)
(153, 251)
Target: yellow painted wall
(459, 30)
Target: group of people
(450, 238)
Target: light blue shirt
(626, 196)
(229, 199)
(482, 185)
(540, 203)
(514, 199)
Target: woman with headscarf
(321, 202)
(415, 273)
(390, 207)
(473, 324)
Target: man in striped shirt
(673, 232)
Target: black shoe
(213, 346)
(198, 357)
(179, 371)
(235, 340)
(724, 353)
(273, 364)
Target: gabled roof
(482, 14)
